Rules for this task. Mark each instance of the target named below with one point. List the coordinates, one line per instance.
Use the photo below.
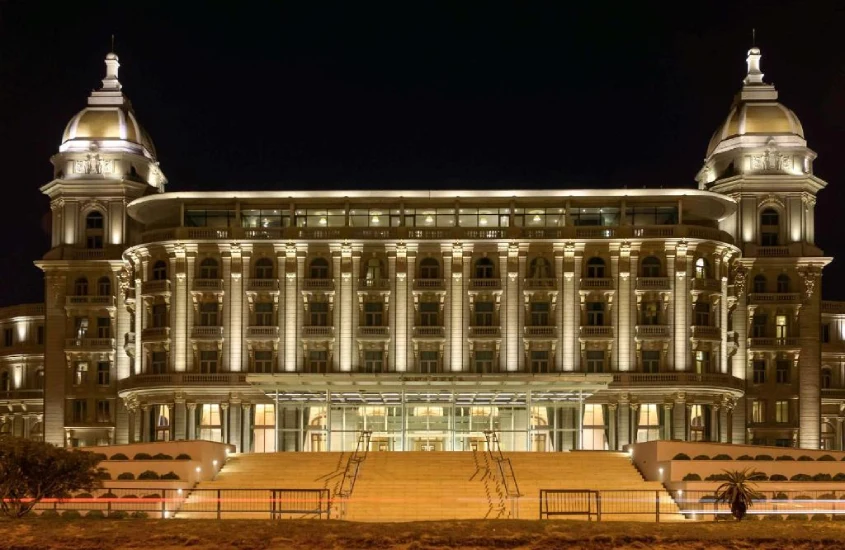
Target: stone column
(519, 303)
(681, 303)
(287, 267)
(559, 306)
(145, 423)
(235, 425)
(179, 419)
(512, 311)
(809, 367)
(635, 411)
(729, 419)
(611, 437)
(839, 444)
(667, 421)
(714, 434)
(171, 411)
(456, 334)
(131, 410)
(623, 431)
(224, 421)
(192, 421)
(246, 429)
(680, 418)
(446, 250)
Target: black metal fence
(196, 503)
(600, 505)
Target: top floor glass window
(434, 217)
(316, 217)
(265, 218)
(539, 217)
(209, 269)
(375, 217)
(483, 217)
(605, 216)
(209, 218)
(652, 215)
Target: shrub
(692, 477)
(119, 456)
(153, 495)
(780, 496)
(822, 477)
(805, 458)
(118, 514)
(104, 475)
(162, 456)
(759, 476)
(108, 494)
(681, 456)
(826, 458)
(95, 514)
(84, 495)
(839, 476)
(130, 496)
(828, 496)
(801, 477)
(716, 477)
(142, 456)
(126, 475)
(183, 456)
(838, 517)
(798, 517)
(785, 457)
(803, 497)
(47, 514)
(778, 477)
(746, 457)
(702, 457)
(148, 474)
(763, 457)
(101, 456)
(170, 476)
(139, 515)
(722, 457)
(71, 514)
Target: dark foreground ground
(242, 535)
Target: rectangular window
(539, 362)
(319, 314)
(159, 317)
(8, 337)
(595, 361)
(429, 362)
(373, 314)
(826, 333)
(264, 314)
(702, 362)
(39, 335)
(429, 314)
(80, 374)
(758, 411)
(209, 218)
(208, 314)
(484, 314)
(80, 410)
(782, 368)
(263, 362)
(759, 371)
(103, 411)
(103, 373)
(94, 241)
(650, 313)
(210, 426)
(483, 361)
(649, 215)
(103, 327)
(651, 361)
(373, 361)
(701, 311)
(781, 327)
(595, 314)
(758, 327)
(262, 219)
(208, 362)
(540, 314)
(782, 411)
(318, 361)
(158, 362)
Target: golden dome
(767, 118)
(107, 123)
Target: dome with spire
(108, 122)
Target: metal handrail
(504, 466)
(353, 465)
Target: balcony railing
(774, 298)
(90, 343)
(262, 333)
(317, 332)
(265, 285)
(706, 284)
(429, 332)
(373, 284)
(89, 301)
(646, 332)
(706, 333)
(155, 334)
(485, 332)
(322, 285)
(429, 284)
(540, 284)
(773, 342)
(373, 332)
(18, 395)
(207, 333)
(653, 283)
(485, 284)
(596, 283)
(208, 285)
(182, 379)
(541, 332)
(161, 286)
(674, 380)
(833, 307)
(596, 332)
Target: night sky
(404, 95)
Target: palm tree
(737, 491)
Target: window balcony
(262, 285)
(708, 285)
(151, 288)
(365, 285)
(207, 333)
(596, 283)
(262, 333)
(700, 332)
(540, 284)
(541, 333)
(89, 301)
(208, 285)
(485, 284)
(317, 332)
(774, 298)
(485, 333)
(429, 333)
(672, 381)
(429, 285)
(180, 379)
(318, 285)
(653, 283)
(652, 332)
(89, 344)
(373, 333)
(155, 334)
(596, 332)
(774, 343)
(21, 395)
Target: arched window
(319, 269)
(651, 267)
(484, 268)
(94, 224)
(827, 378)
(80, 287)
(702, 269)
(769, 227)
(160, 270)
(595, 268)
(209, 269)
(429, 269)
(783, 283)
(104, 287)
(264, 268)
(759, 284)
(540, 268)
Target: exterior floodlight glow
(214, 462)
(178, 491)
(200, 469)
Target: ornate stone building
(558, 319)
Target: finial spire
(753, 38)
(753, 87)
(754, 76)
(110, 82)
